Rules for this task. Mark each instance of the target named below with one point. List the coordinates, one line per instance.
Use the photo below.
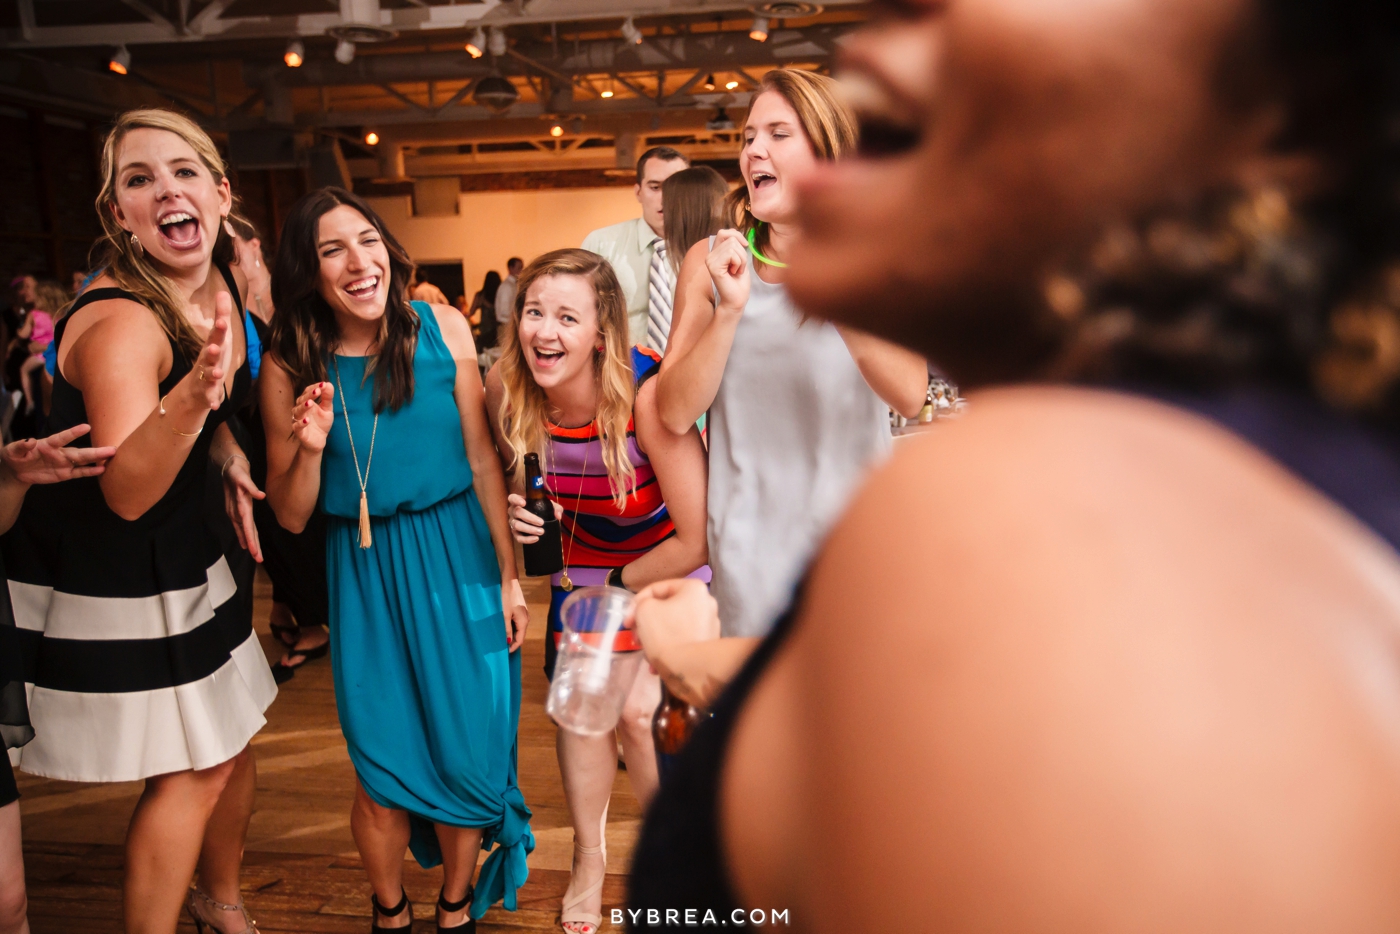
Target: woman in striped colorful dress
(630, 495)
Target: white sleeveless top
(792, 431)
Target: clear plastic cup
(598, 660)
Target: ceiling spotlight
(496, 43)
(709, 84)
(477, 46)
(345, 51)
(372, 138)
(630, 32)
(295, 54)
(758, 32)
(120, 62)
(495, 93)
(607, 92)
(730, 85)
(556, 131)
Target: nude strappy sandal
(575, 906)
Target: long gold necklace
(565, 580)
(365, 538)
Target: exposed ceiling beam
(210, 22)
(150, 14)
(398, 95)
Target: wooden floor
(301, 871)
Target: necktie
(661, 287)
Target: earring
(748, 207)
(136, 245)
(228, 228)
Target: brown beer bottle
(545, 556)
(674, 722)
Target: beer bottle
(545, 556)
(672, 726)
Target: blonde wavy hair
(524, 414)
(130, 269)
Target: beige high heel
(195, 907)
(574, 905)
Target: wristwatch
(615, 580)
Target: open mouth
(547, 358)
(363, 288)
(180, 228)
(761, 180)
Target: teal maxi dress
(426, 685)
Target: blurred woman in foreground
(1155, 685)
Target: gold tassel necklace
(365, 538)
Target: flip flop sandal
(283, 673)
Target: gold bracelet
(183, 434)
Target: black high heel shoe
(381, 912)
(469, 927)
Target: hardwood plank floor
(301, 871)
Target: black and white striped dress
(139, 662)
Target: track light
(758, 32)
(120, 62)
(345, 51)
(372, 138)
(709, 84)
(556, 131)
(607, 91)
(496, 43)
(730, 85)
(295, 54)
(477, 46)
(630, 32)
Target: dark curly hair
(304, 332)
(1263, 285)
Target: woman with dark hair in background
(295, 563)
(692, 210)
(373, 409)
(145, 667)
(1156, 683)
(482, 315)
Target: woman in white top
(798, 408)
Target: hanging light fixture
(495, 93)
(630, 32)
(477, 46)
(345, 51)
(372, 138)
(496, 42)
(120, 62)
(295, 54)
(758, 32)
(607, 92)
(730, 85)
(709, 84)
(556, 131)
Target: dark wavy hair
(304, 332)
(1264, 285)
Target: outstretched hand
(312, 416)
(49, 460)
(206, 377)
(239, 493)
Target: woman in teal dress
(374, 413)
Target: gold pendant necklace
(565, 580)
(366, 539)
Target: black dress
(141, 662)
(678, 863)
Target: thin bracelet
(227, 460)
(183, 434)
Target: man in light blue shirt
(629, 246)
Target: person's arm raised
(898, 376)
(702, 331)
(116, 363)
(681, 472)
(297, 426)
(487, 476)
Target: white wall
(493, 226)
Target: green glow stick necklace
(754, 250)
